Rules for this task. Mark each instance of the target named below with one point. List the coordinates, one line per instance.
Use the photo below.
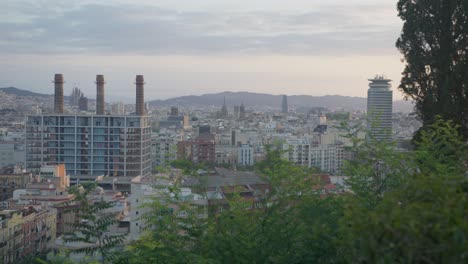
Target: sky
(193, 47)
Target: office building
(379, 108)
(90, 145)
(242, 111)
(284, 105)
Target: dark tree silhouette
(434, 43)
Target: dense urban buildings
(379, 108)
(128, 149)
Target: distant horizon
(130, 101)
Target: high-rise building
(242, 111)
(284, 105)
(379, 108)
(90, 145)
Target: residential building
(12, 153)
(163, 148)
(327, 158)
(11, 179)
(245, 155)
(203, 149)
(297, 151)
(27, 231)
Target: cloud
(145, 29)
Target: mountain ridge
(250, 99)
(22, 92)
(274, 101)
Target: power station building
(91, 145)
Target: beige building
(24, 232)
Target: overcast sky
(184, 47)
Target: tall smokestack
(140, 95)
(100, 107)
(58, 99)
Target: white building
(144, 191)
(163, 149)
(327, 158)
(245, 155)
(297, 151)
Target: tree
(293, 223)
(92, 229)
(422, 219)
(434, 43)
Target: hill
(249, 99)
(21, 92)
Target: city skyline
(303, 47)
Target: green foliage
(433, 42)
(376, 168)
(293, 224)
(338, 116)
(421, 218)
(441, 149)
(174, 226)
(92, 229)
(188, 167)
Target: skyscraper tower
(284, 109)
(58, 97)
(242, 111)
(379, 108)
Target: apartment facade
(90, 144)
(163, 149)
(26, 231)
